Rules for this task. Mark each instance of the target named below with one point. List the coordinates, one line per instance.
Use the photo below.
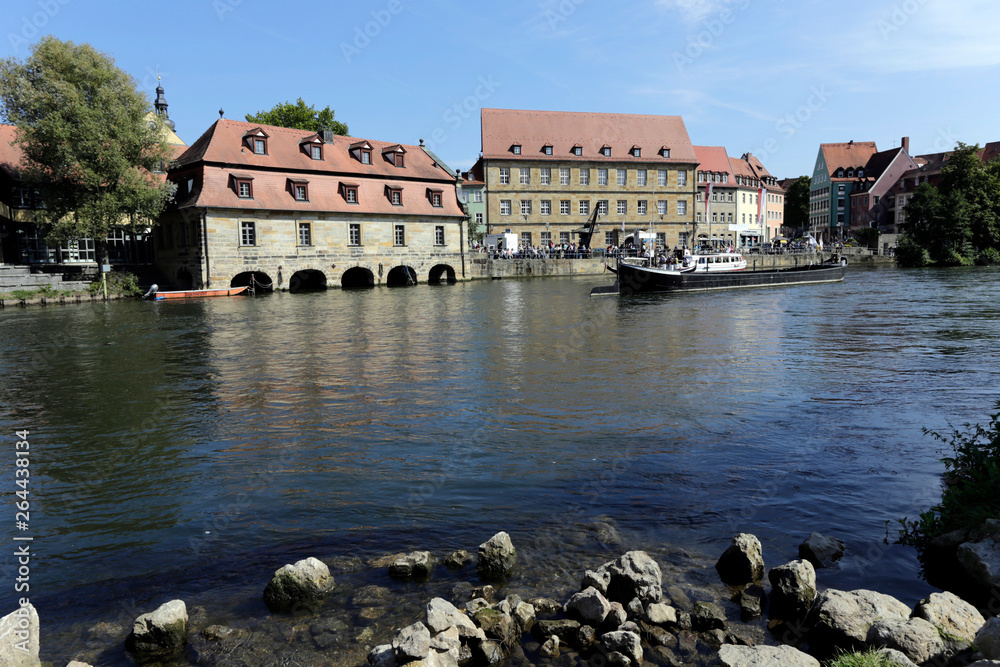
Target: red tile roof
(10, 153)
(532, 130)
(845, 156)
(715, 160)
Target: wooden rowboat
(199, 293)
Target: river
(190, 449)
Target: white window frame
(622, 177)
(641, 177)
(563, 175)
(504, 175)
(504, 207)
(602, 176)
(545, 176)
(545, 207)
(565, 206)
(525, 175)
(622, 206)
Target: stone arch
(401, 276)
(258, 281)
(307, 280)
(357, 278)
(441, 273)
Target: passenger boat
(716, 271)
(156, 295)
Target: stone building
(554, 176)
(287, 208)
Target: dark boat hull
(642, 280)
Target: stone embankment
(624, 613)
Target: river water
(190, 449)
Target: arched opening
(441, 273)
(184, 279)
(357, 278)
(257, 281)
(307, 280)
(401, 276)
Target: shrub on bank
(119, 282)
(867, 659)
(971, 479)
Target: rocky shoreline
(624, 612)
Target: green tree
(89, 146)
(797, 204)
(299, 116)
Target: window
(260, 146)
(661, 207)
(641, 207)
(640, 177)
(477, 196)
(636, 152)
(602, 176)
(841, 189)
(563, 237)
(436, 199)
(622, 207)
(545, 176)
(715, 196)
(245, 189)
(479, 219)
(526, 239)
(305, 233)
(366, 157)
(682, 176)
(517, 149)
(398, 160)
(602, 207)
(354, 233)
(317, 152)
(682, 207)
(715, 217)
(395, 196)
(606, 151)
(439, 235)
(661, 239)
(564, 176)
(504, 176)
(622, 176)
(584, 207)
(301, 192)
(546, 207)
(546, 238)
(399, 235)
(525, 207)
(564, 207)
(665, 152)
(609, 238)
(729, 197)
(248, 233)
(730, 217)
(504, 207)
(661, 177)
(698, 217)
(584, 177)
(525, 176)
(577, 151)
(547, 149)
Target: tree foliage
(957, 221)
(89, 146)
(299, 116)
(797, 204)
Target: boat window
(701, 260)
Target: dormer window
(299, 189)
(395, 155)
(362, 152)
(861, 173)
(366, 157)
(840, 173)
(395, 195)
(349, 191)
(317, 152)
(434, 197)
(547, 149)
(256, 140)
(516, 149)
(260, 146)
(850, 173)
(578, 150)
(243, 185)
(664, 152)
(606, 151)
(636, 151)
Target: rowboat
(156, 295)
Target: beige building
(557, 177)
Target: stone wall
(482, 268)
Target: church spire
(161, 105)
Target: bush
(866, 659)
(988, 257)
(119, 282)
(910, 254)
(971, 481)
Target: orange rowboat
(199, 293)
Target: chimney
(906, 145)
(327, 134)
(851, 142)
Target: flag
(708, 195)
(760, 205)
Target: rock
(447, 640)
(413, 565)
(634, 575)
(635, 609)
(657, 635)
(303, 584)
(661, 614)
(372, 596)
(981, 559)
(74, 663)
(616, 616)
(821, 551)
(793, 590)
(442, 615)
(598, 580)
(458, 559)
(564, 628)
(743, 562)
(20, 630)
(988, 639)
(218, 633)
(412, 643)
(765, 656)
(160, 633)
(914, 637)
(708, 616)
(550, 648)
(488, 653)
(588, 606)
(382, 656)
(497, 557)
(751, 600)
(626, 643)
(487, 592)
(545, 605)
(473, 606)
(524, 616)
(985, 663)
(586, 638)
(496, 624)
(952, 616)
(894, 658)
(841, 619)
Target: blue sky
(772, 77)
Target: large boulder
(303, 584)
(821, 551)
(743, 562)
(625, 643)
(588, 606)
(19, 637)
(412, 565)
(988, 639)
(411, 643)
(981, 558)
(894, 658)
(793, 590)
(765, 656)
(915, 638)
(956, 620)
(497, 557)
(442, 615)
(160, 633)
(633, 575)
(842, 619)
